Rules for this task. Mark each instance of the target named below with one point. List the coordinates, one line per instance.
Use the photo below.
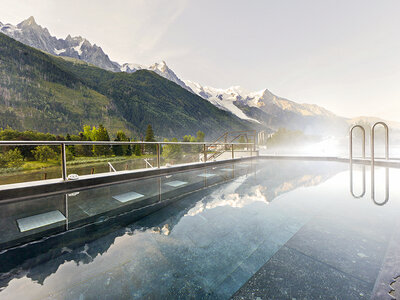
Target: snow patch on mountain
(130, 68)
(58, 52)
(79, 48)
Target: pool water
(267, 229)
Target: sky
(343, 55)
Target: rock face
(34, 35)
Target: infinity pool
(254, 230)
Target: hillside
(50, 94)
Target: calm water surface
(290, 229)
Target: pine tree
(150, 138)
(118, 149)
(71, 148)
(138, 150)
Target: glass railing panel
(29, 163)
(25, 220)
(184, 153)
(92, 203)
(113, 158)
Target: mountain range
(52, 94)
(30, 33)
(261, 108)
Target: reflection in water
(180, 232)
(386, 186)
(352, 184)
(373, 183)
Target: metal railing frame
(63, 145)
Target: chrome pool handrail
(373, 141)
(351, 141)
(373, 162)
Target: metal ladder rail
(351, 142)
(351, 160)
(373, 163)
(373, 141)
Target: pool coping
(365, 161)
(33, 189)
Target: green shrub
(171, 150)
(11, 159)
(44, 153)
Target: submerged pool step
(36, 221)
(128, 197)
(206, 175)
(176, 183)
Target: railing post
(158, 154)
(63, 162)
(205, 153)
(233, 152)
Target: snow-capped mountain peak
(235, 99)
(160, 66)
(34, 35)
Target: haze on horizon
(342, 55)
